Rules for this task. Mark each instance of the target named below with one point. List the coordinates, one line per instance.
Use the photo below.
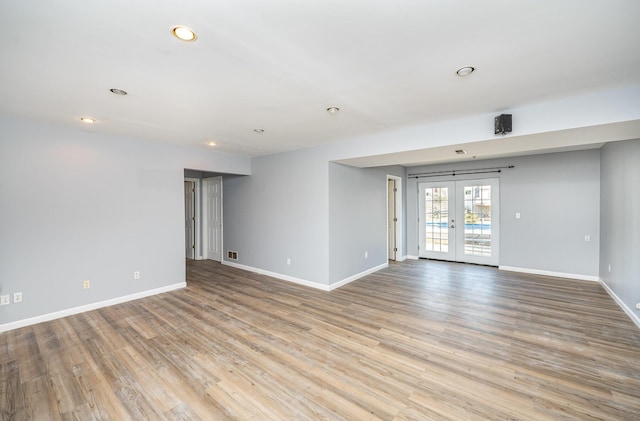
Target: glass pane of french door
(477, 220)
(478, 216)
(437, 219)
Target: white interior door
(212, 209)
(189, 219)
(459, 221)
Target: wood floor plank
(419, 340)
(11, 393)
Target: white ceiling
(278, 64)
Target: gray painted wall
(322, 216)
(110, 203)
(558, 198)
(76, 205)
(620, 220)
(280, 212)
(357, 218)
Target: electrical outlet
(587, 238)
(5, 299)
(366, 254)
(288, 260)
(86, 284)
(517, 215)
(638, 306)
(17, 297)
(136, 275)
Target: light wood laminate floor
(421, 340)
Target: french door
(460, 221)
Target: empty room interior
(380, 210)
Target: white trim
(357, 276)
(278, 275)
(401, 258)
(550, 273)
(304, 282)
(88, 307)
(632, 315)
(399, 208)
(196, 235)
(410, 257)
(221, 219)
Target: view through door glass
(437, 219)
(477, 220)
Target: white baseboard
(401, 259)
(278, 275)
(632, 315)
(550, 273)
(412, 257)
(357, 276)
(88, 307)
(304, 282)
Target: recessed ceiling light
(258, 130)
(333, 110)
(88, 120)
(464, 71)
(461, 152)
(118, 91)
(183, 33)
(212, 143)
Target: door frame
(197, 231)
(399, 210)
(205, 203)
(456, 237)
(450, 255)
(494, 260)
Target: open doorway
(395, 250)
(203, 215)
(192, 218)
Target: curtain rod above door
(460, 172)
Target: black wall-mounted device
(502, 124)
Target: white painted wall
(76, 205)
(548, 115)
